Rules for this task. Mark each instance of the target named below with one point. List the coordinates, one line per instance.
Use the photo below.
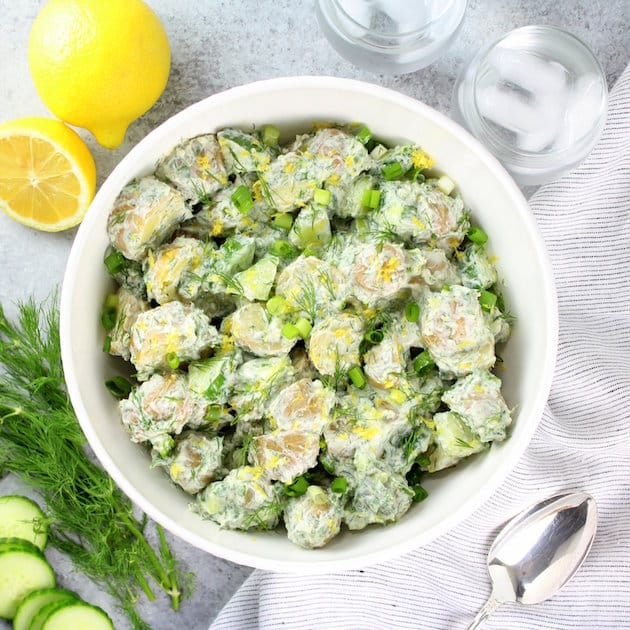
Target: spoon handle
(488, 608)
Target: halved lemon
(47, 174)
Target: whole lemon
(99, 64)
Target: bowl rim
(399, 547)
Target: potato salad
(311, 327)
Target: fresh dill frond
(265, 191)
(235, 157)
(306, 299)
(327, 283)
(462, 443)
(243, 451)
(382, 234)
(338, 378)
(203, 196)
(260, 518)
(42, 444)
(230, 282)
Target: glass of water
(537, 98)
(390, 36)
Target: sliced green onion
(270, 135)
(284, 249)
(419, 494)
(322, 196)
(374, 336)
(275, 305)
(312, 250)
(477, 235)
(242, 199)
(423, 363)
(362, 225)
(371, 198)
(392, 170)
(327, 464)
(213, 413)
(110, 311)
(364, 135)
(111, 301)
(423, 460)
(488, 300)
(115, 262)
(283, 220)
(304, 327)
(172, 360)
(415, 174)
(118, 386)
(339, 485)
(412, 312)
(297, 488)
(107, 344)
(357, 377)
(290, 331)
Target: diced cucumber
(207, 377)
(71, 615)
(22, 571)
(22, 518)
(446, 184)
(258, 279)
(35, 601)
(311, 228)
(236, 254)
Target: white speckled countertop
(217, 44)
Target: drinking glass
(390, 36)
(537, 98)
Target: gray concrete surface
(217, 44)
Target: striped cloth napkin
(582, 443)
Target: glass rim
(445, 7)
(524, 157)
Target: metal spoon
(539, 550)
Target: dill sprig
(306, 299)
(42, 444)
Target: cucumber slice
(22, 518)
(22, 571)
(35, 601)
(76, 615)
(8, 544)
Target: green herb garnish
(41, 443)
(118, 386)
(297, 488)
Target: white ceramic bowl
(497, 205)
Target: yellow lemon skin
(99, 64)
(47, 174)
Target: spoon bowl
(539, 550)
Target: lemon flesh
(99, 64)
(47, 174)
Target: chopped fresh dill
(260, 518)
(327, 283)
(203, 196)
(230, 282)
(243, 451)
(265, 191)
(307, 298)
(335, 380)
